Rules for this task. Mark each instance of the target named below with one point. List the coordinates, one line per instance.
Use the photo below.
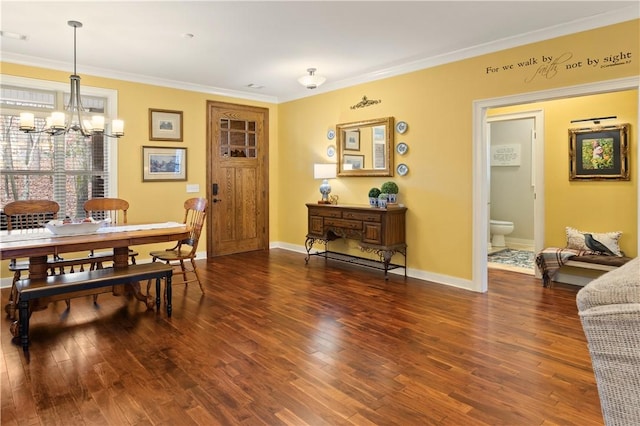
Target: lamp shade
(311, 80)
(324, 171)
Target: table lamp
(324, 172)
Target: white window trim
(111, 111)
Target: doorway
(480, 161)
(516, 187)
(237, 178)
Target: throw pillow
(576, 240)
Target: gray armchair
(609, 309)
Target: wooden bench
(592, 265)
(66, 284)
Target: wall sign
(548, 66)
(505, 155)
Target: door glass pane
(236, 136)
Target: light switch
(193, 187)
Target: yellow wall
(598, 206)
(437, 105)
(435, 102)
(159, 201)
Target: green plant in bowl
(392, 189)
(382, 200)
(373, 197)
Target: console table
(377, 230)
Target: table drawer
(366, 216)
(324, 212)
(345, 224)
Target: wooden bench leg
(157, 294)
(23, 306)
(168, 287)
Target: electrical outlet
(193, 187)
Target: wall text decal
(548, 67)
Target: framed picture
(165, 125)
(353, 162)
(352, 140)
(600, 153)
(163, 164)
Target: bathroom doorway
(515, 171)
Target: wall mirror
(365, 148)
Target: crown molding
(610, 18)
(134, 78)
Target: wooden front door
(237, 178)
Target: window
(68, 169)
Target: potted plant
(373, 197)
(391, 189)
(382, 200)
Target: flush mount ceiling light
(75, 117)
(312, 80)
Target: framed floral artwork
(599, 153)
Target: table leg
(121, 260)
(386, 259)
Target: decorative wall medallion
(331, 150)
(402, 169)
(331, 134)
(365, 103)
(401, 127)
(402, 148)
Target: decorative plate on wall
(331, 150)
(402, 169)
(401, 127)
(402, 148)
(331, 134)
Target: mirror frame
(389, 146)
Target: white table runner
(40, 233)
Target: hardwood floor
(275, 342)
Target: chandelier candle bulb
(27, 121)
(57, 120)
(97, 123)
(117, 127)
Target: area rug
(514, 258)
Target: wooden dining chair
(114, 209)
(25, 215)
(194, 216)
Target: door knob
(215, 200)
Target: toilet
(498, 229)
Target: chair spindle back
(103, 208)
(29, 214)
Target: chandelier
(75, 118)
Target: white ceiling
(271, 44)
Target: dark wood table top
(41, 242)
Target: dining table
(40, 243)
